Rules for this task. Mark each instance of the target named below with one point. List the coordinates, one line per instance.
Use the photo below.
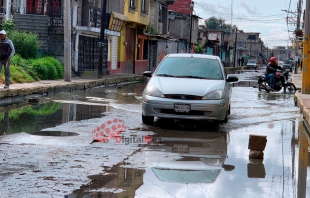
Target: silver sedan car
(187, 86)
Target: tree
(198, 49)
(214, 23)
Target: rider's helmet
(273, 60)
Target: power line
(206, 7)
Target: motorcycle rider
(271, 69)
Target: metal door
(114, 52)
(129, 65)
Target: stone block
(256, 154)
(257, 142)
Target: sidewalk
(301, 100)
(23, 91)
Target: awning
(213, 36)
(117, 21)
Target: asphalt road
(55, 155)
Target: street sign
(111, 32)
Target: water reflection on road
(33, 119)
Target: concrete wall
(154, 16)
(179, 26)
(249, 47)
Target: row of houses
(137, 33)
(230, 45)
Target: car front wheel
(147, 119)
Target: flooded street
(93, 144)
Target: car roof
(186, 55)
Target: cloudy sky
(264, 16)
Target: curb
(302, 101)
(22, 92)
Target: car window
(190, 67)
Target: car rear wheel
(147, 119)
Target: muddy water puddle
(201, 164)
(33, 119)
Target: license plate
(180, 148)
(182, 107)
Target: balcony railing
(56, 16)
(13, 10)
(91, 17)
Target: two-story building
(123, 46)
(249, 45)
(183, 25)
(136, 35)
(217, 42)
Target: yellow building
(132, 42)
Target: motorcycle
(281, 80)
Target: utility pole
(8, 9)
(235, 47)
(297, 29)
(101, 38)
(305, 82)
(67, 39)
(191, 27)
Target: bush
(57, 64)
(45, 68)
(25, 64)
(8, 25)
(26, 44)
(18, 75)
(48, 68)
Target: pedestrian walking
(7, 51)
(242, 61)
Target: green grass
(31, 70)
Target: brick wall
(182, 6)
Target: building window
(251, 37)
(133, 4)
(160, 14)
(144, 6)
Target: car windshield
(251, 62)
(181, 67)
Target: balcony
(91, 17)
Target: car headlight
(214, 95)
(152, 91)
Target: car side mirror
(148, 74)
(232, 79)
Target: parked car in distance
(280, 63)
(287, 66)
(187, 86)
(251, 64)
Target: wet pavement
(173, 158)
